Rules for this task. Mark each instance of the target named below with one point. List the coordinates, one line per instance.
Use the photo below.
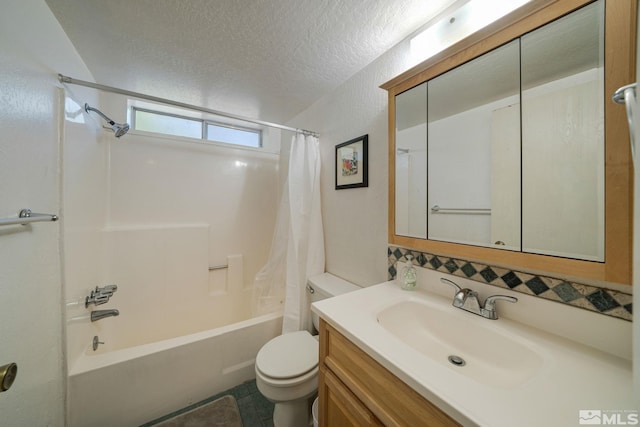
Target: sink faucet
(467, 299)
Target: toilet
(287, 366)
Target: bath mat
(222, 412)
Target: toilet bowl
(287, 366)
(287, 374)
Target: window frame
(204, 125)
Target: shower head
(118, 128)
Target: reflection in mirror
(411, 162)
(474, 152)
(563, 136)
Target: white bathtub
(131, 386)
(184, 332)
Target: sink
(490, 353)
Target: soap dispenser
(409, 275)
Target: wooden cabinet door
(339, 407)
(366, 392)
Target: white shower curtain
(297, 250)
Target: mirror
(474, 151)
(563, 136)
(507, 150)
(411, 162)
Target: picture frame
(352, 163)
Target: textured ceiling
(266, 59)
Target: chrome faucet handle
(96, 298)
(452, 283)
(101, 299)
(107, 290)
(466, 299)
(490, 302)
(489, 309)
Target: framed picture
(352, 163)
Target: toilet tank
(326, 285)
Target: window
(155, 121)
(233, 135)
(174, 124)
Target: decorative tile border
(600, 300)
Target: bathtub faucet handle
(107, 289)
(96, 298)
(100, 295)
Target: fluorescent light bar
(461, 23)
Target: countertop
(572, 377)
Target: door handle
(8, 375)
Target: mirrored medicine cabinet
(507, 148)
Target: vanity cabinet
(355, 390)
(341, 407)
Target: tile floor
(255, 410)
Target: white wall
(151, 213)
(33, 49)
(355, 220)
(158, 181)
(84, 159)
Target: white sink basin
(493, 355)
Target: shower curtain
(297, 249)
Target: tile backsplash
(600, 300)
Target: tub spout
(101, 314)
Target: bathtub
(131, 386)
(184, 332)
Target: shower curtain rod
(70, 80)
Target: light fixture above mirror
(460, 20)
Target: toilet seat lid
(289, 355)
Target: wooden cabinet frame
(620, 53)
(355, 390)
